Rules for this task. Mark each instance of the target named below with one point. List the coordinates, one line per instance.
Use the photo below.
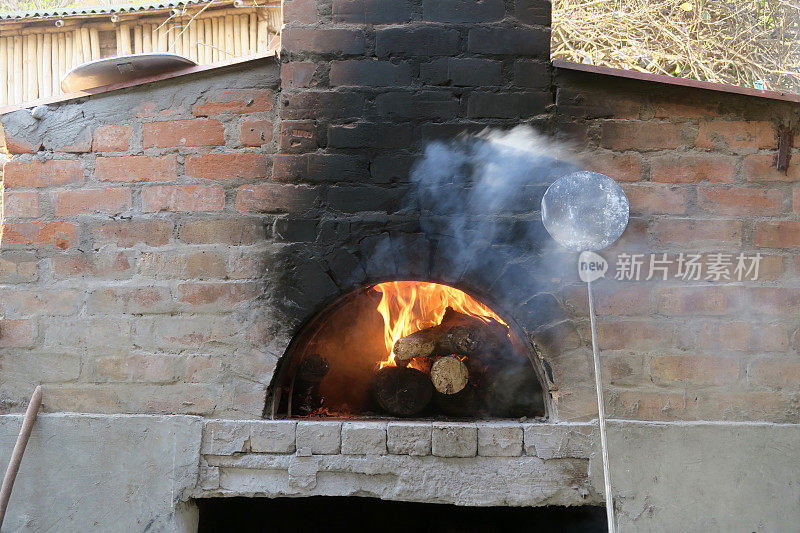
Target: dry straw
(752, 43)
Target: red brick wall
(132, 256)
(699, 168)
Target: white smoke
(485, 189)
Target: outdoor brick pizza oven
(267, 280)
(342, 330)
(407, 364)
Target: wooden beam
(51, 67)
(32, 90)
(195, 34)
(11, 65)
(244, 34)
(19, 61)
(163, 39)
(147, 38)
(4, 71)
(186, 45)
(94, 42)
(86, 43)
(175, 39)
(237, 36)
(19, 449)
(102, 23)
(36, 88)
(47, 62)
(230, 47)
(40, 66)
(23, 51)
(263, 35)
(62, 62)
(77, 50)
(201, 37)
(216, 32)
(252, 26)
(208, 41)
(137, 39)
(69, 42)
(54, 65)
(125, 33)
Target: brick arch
(539, 321)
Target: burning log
(457, 333)
(421, 343)
(402, 391)
(449, 375)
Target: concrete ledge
(103, 473)
(134, 473)
(469, 463)
(703, 476)
(695, 476)
(474, 481)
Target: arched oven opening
(408, 349)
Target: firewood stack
(464, 367)
(455, 365)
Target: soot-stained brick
(320, 167)
(372, 11)
(469, 11)
(418, 104)
(464, 72)
(417, 41)
(369, 135)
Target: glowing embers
(407, 348)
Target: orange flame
(409, 306)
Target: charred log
(306, 397)
(449, 375)
(463, 404)
(313, 368)
(457, 333)
(402, 391)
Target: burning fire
(409, 306)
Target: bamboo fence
(34, 59)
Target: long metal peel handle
(19, 449)
(601, 413)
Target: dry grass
(753, 43)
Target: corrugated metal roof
(98, 10)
